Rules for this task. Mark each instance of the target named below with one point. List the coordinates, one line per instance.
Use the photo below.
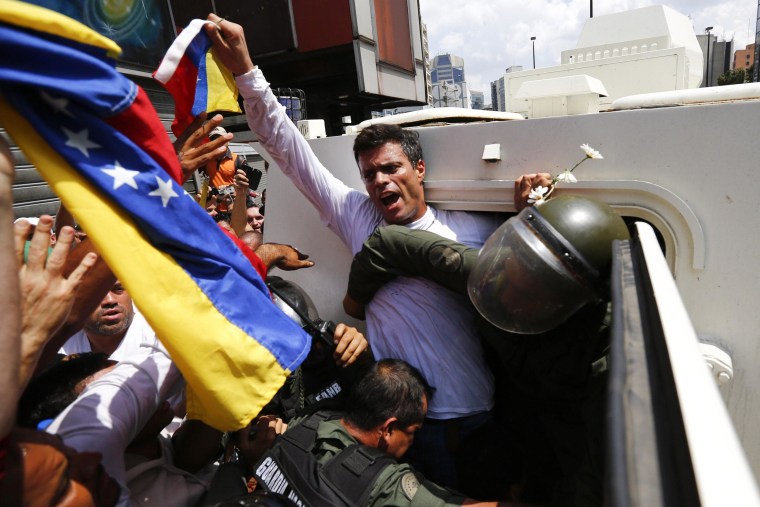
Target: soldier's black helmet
(295, 295)
(544, 264)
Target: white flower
(536, 195)
(591, 152)
(567, 177)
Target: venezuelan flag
(190, 72)
(98, 142)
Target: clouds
(492, 35)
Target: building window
(393, 36)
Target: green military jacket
(397, 485)
(558, 375)
(555, 365)
(398, 251)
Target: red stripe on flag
(182, 87)
(140, 123)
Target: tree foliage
(732, 77)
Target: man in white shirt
(410, 318)
(110, 413)
(114, 328)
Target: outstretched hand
(229, 44)
(46, 295)
(191, 150)
(527, 182)
(285, 257)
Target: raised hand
(229, 44)
(192, 151)
(47, 296)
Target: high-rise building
(447, 67)
(449, 85)
(477, 99)
(719, 52)
(498, 93)
(447, 94)
(498, 99)
(744, 58)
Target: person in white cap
(221, 171)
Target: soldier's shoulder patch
(410, 485)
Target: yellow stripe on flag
(231, 375)
(38, 18)
(222, 89)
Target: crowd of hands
(49, 294)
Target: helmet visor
(520, 284)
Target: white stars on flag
(80, 141)
(122, 176)
(59, 104)
(164, 190)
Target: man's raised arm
(334, 201)
(229, 44)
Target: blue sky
(492, 35)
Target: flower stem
(579, 163)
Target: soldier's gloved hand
(350, 343)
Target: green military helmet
(588, 225)
(546, 263)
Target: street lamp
(707, 81)
(533, 41)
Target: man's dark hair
(48, 394)
(223, 216)
(380, 134)
(390, 388)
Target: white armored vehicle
(686, 396)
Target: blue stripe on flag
(170, 218)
